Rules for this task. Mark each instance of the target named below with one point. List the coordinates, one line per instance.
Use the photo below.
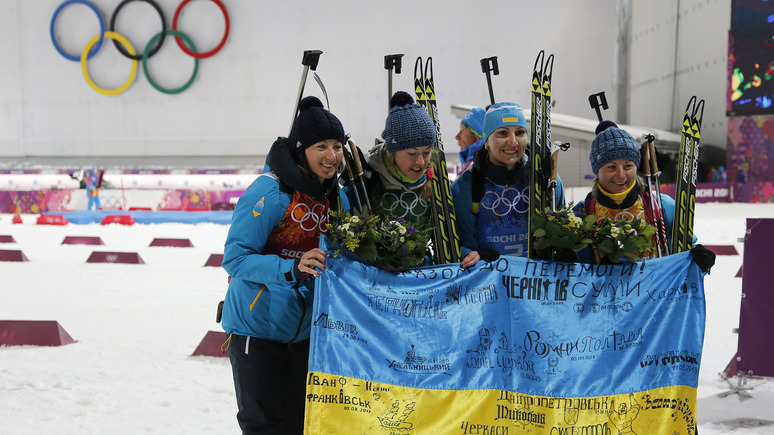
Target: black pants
(270, 384)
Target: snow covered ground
(137, 325)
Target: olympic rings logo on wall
(125, 47)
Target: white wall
(680, 49)
(243, 97)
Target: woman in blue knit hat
(491, 198)
(398, 186)
(272, 256)
(471, 136)
(618, 192)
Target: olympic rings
(214, 50)
(101, 29)
(123, 45)
(407, 202)
(163, 29)
(85, 54)
(509, 199)
(316, 215)
(149, 52)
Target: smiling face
(413, 162)
(324, 158)
(617, 175)
(506, 145)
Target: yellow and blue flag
(516, 346)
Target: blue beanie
(474, 121)
(612, 143)
(408, 125)
(501, 115)
(314, 124)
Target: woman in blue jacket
(272, 256)
(491, 198)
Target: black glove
(703, 257)
(566, 255)
(489, 254)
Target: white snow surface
(137, 325)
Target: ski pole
(391, 61)
(350, 163)
(310, 59)
(596, 101)
(359, 173)
(489, 67)
(554, 149)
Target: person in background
(716, 176)
(723, 174)
(741, 175)
(618, 192)
(272, 256)
(92, 189)
(470, 136)
(399, 187)
(491, 198)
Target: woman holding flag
(618, 192)
(399, 186)
(491, 198)
(272, 257)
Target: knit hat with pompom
(408, 125)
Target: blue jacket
(265, 299)
(511, 236)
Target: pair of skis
(543, 153)
(446, 241)
(685, 187)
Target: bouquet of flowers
(565, 229)
(393, 243)
(623, 238)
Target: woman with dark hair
(272, 257)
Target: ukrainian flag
(517, 346)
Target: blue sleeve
(462, 197)
(257, 212)
(559, 199)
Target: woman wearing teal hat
(491, 198)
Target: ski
(649, 164)
(539, 160)
(445, 237)
(685, 187)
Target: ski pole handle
(359, 170)
(392, 62)
(652, 152)
(645, 157)
(596, 101)
(489, 67)
(310, 59)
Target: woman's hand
(470, 260)
(312, 262)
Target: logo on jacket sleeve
(258, 207)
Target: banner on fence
(513, 346)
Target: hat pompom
(604, 125)
(400, 98)
(309, 102)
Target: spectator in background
(470, 136)
(741, 176)
(715, 177)
(711, 175)
(93, 183)
(723, 174)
